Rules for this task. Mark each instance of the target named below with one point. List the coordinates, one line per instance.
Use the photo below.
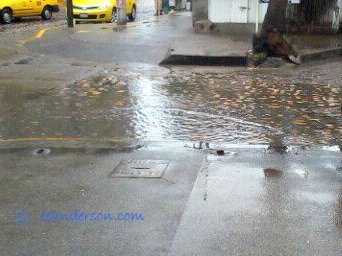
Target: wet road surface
(145, 10)
(151, 103)
(247, 202)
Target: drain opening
(41, 151)
(220, 152)
(272, 172)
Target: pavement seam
(202, 169)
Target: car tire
(6, 16)
(132, 16)
(114, 16)
(47, 13)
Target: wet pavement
(118, 92)
(277, 206)
(249, 201)
(266, 180)
(151, 103)
(147, 41)
(145, 10)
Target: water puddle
(153, 105)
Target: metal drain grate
(140, 169)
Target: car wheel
(47, 13)
(114, 15)
(132, 16)
(6, 16)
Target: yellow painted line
(40, 33)
(83, 31)
(59, 139)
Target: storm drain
(152, 169)
(41, 151)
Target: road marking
(40, 33)
(23, 139)
(82, 31)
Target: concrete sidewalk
(208, 49)
(150, 41)
(231, 48)
(168, 40)
(250, 201)
(317, 47)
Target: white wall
(253, 5)
(223, 11)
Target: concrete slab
(211, 49)
(76, 180)
(232, 209)
(238, 208)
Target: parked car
(101, 10)
(10, 9)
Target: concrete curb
(202, 60)
(322, 54)
(76, 143)
(241, 61)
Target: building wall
(236, 11)
(252, 18)
(227, 15)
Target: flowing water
(237, 107)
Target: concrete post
(121, 11)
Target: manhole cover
(140, 169)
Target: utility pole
(70, 14)
(121, 12)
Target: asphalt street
(218, 160)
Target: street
(232, 160)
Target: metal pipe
(257, 16)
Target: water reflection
(151, 119)
(147, 104)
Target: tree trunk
(271, 40)
(275, 17)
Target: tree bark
(271, 40)
(275, 17)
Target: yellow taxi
(101, 10)
(10, 9)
